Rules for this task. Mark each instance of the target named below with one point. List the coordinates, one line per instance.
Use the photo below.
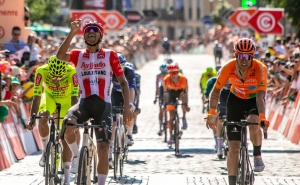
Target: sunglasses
(243, 56)
(17, 34)
(56, 77)
(89, 28)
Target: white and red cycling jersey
(94, 71)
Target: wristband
(212, 111)
(262, 116)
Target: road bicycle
(245, 173)
(53, 175)
(120, 145)
(165, 120)
(176, 132)
(87, 165)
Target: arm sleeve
(115, 64)
(74, 83)
(223, 76)
(262, 75)
(74, 56)
(38, 81)
(130, 76)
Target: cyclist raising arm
(94, 66)
(248, 77)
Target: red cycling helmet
(173, 67)
(94, 23)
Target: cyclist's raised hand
(76, 25)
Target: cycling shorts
(223, 101)
(48, 103)
(93, 107)
(173, 94)
(238, 109)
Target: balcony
(170, 14)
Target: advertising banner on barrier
(13, 137)
(4, 163)
(25, 136)
(6, 147)
(36, 134)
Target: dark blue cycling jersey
(130, 77)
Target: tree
(43, 10)
(217, 13)
(291, 7)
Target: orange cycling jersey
(181, 84)
(256, 79)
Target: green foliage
(42, 10)
(291, 7)
(216, 14)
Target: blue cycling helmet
(128, 64)
(122, 59)
(163, 69)
(169, 61)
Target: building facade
(181, 18)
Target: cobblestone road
(151, 162)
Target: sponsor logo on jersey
(85, 73)
(95, 81)
(75, 80)
(89, 66)
(38, 79)
(58, 88)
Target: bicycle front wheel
(82, 176)
(176, 135)
(116, 152)
(50, 165)
(123, 151)
(242, 168)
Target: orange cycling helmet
(94, 23)
(245, 46)
(173, 67)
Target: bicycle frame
(120, 146)
(245, 173)
(88, 144)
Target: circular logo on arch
(2, 32)
(266, 22)
(242, 18)
(2, 2)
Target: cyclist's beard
(244, 67)
(99, 40)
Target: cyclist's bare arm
(35, 105)
(125, 89)
(62, 53)
(74, 100)
(260, 103)
(131, 94)
(214, 98)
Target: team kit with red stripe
(94, 81)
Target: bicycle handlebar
(244, 123)
(34, 117)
